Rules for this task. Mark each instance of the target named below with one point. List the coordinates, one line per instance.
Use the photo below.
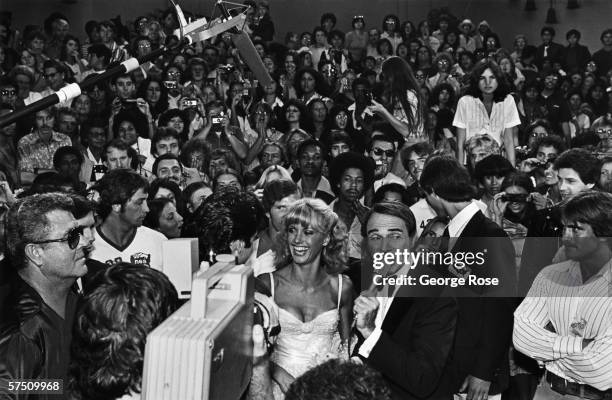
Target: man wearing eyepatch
(48, 248)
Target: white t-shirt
(145, 248)
(423, 213)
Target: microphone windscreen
(243, 43)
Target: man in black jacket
(405, 334)
(48, 248)
(548, 49)
(479, 364)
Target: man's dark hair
(379, 195)
(166, 183)
(63, 151)
(448, 179)
(394, 209)
(51, 181)
(548, 29)
(379, 137)
(588, 138)
(492, 165)
(348, 160)
(421, 149)
(591, 207)
(573, 32)
(101, 51)
(117, 187)
(164, 133)
(330, 16)
(163, 157)
(550, 141)
(227, 215)
(27, 222)
(53, 64)
(337, 380)
(123, 303)
(118, 144)
(276, 190)
(309, 143)
(586, 165)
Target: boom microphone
(245, 47)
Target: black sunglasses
(379, 152)
(73, 238)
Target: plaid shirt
(34, 153)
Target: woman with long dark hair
(487, 107)
(155, 94)
(402, 107)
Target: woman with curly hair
(122, 305)
(313, 297)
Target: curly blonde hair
(315, 214)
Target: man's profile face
(135, 209)
(117, 159)
(60, 260)
(170, 169)
(605, 178)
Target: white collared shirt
(472, 116)
(577, 310)
(385, 304)
(323, 186)
(460, 221)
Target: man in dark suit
(549, 49)
(407, 333)
(479, 363)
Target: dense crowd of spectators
(365, 141)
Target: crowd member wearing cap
(351, 175)
(356, 40)
(548, 48)
(575, 55)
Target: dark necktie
(445, 240)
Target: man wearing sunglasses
(48, 248)
(382, 150)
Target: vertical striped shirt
(576, 310)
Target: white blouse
(472, 116)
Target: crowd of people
(432, 136)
